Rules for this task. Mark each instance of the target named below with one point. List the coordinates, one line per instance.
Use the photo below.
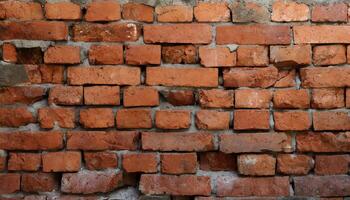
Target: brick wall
(109, 100)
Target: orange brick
(138, 12)
(252, 56)
(106, 54)
(212, 12)
(332, 164)
(186, 54)
(329, 55)
(173, 119)
(22, 10)
(322, 77)
(256, 164)
(285, 78)
(62, 11)
(216, 98)
(328, 98)
(292, 121)
(97, 117)
(288, 11)
(174, 13)
(251, 120)
(217, 57)
(66, 95)
(320, 34)
(15, 117)
(291, 98)
(24, 162)
(140, 162)
(294, 164)
(252, 98)
(348, 98)
(102, 95)
(103, 11)
(140, 96)
(100, 160)
(143, 54)
(331, 120)
(290, 55)
(134, 118)
(180, 97)
(68, 161)
(334, 12)
(13, 183)
(9, 53)
(212, 120)
(64, 117)
(62, 55)
(178, 163)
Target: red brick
(15, 117)
(22, 10)
(64, 117)
(173, 119)
(189, 76)
(332, 164)
(112, 75)
(217, 161)
(256, 164)
(140, 162)
(245, 11)
(179, 54)
(24, 162)
(175, 185)
(100, 160)
(143, 54)
(335, 12)
(252, 56)
(134, 118)
(23, 95)
(217, 57)
(263, 34)
(68, 161)
(178, 163)
(330, 120)
(248, 186)
(39, 182)
(290, 55)
(62, 55)
(250, 77)
(323, 142)
(104, 181)
(348, 98)
(102, 95)
(103, 11)
(255, 142)
(216, 98)
(322, 186)
(174, 13)
(292, 120)
(97, 117)
(31, 140)
(289, 11)
(328, 98)
(320, 34)
(140, 96)
(66, 95)
(212, 12)
(329, 55)
(106, 54)
(138, 12)
(286, 78)
(9, 53)
(33, 30)
(251, 120)
(100, 140)
(252, 98)
(62, 11)
(177, 33)
(180, 97)
(294, 164)
(10, 183)
(121, 32)
(51, 73)
(178, 141)
(291, 98)
(212, 120)
(321, 77)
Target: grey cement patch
(12, 75)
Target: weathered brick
(173, 119)
(134, 118)
(286, 78)
(252, 56)
(62, 11)
(250, 77)
(66, 95)
(347, 101)
(256, 164)
(97, 118)
(251, 120)
(21, 10)
(217, 57)
(323, 142)
(11, 183)
(112, 75)
(100, 140)
(292, 120)
(51, 73)
(178, 163)
(252, 98)
(328, 98)
(179, 54)
(334, 12)
(102, 95)
(100, 160)
(68, 161)
(189, 76)
(140, 96)
(24, 162)
(294, 164)
(216, 98)
(175, 185)
(178, 141)
(64, 117)
(288, 11)
(120, 32)
(137, 12)
(177, 33)
(180, 97)
(217, 161)
(104, 181)
(330, 120)
(31, 140)
(255, 142)
(331, 164)
(291, 98)
(244, 11)
(329, 55)
(106, 54)
(9, 53)
(290, 56)
(39, 182)
(62, 55)
(212, 120)
(143, 54)
(320, 34)
(263, 34)
(212, 12)
(140, 162)
(15, 117)
(103, 11)
(321, 77)
(22, 95)
(174, 13)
